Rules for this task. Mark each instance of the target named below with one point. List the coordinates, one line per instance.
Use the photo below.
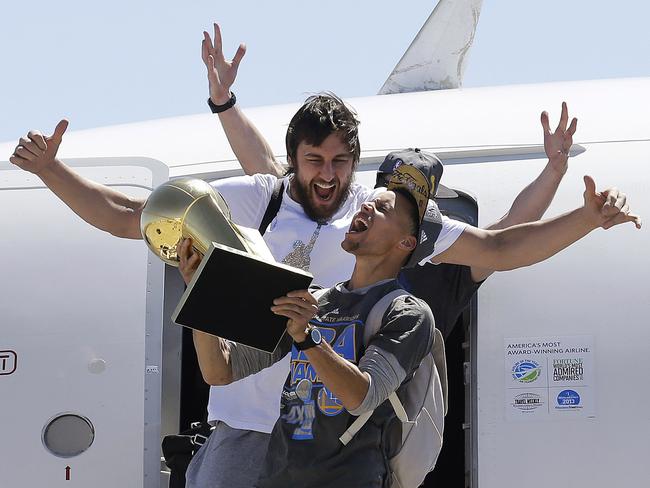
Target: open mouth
(360, 223)
(324, 191)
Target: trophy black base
(231, 295)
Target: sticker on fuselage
(549, 378)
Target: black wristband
(313, 339)
(216, 109)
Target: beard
(305, 195)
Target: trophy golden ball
(182, 208)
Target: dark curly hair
(321, 115)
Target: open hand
(608, 208)
(557, 144)
(221, 73)
(299, 307)
(36, 151)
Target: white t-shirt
(254, 402)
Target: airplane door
(80, 338)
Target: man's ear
(408, 243)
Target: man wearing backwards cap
(335, 376)
(413, 164)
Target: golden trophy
(192, 208)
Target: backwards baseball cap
(410, 179)
(428, 163)
(418, 174)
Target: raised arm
(526, 244)
(250, 147)
(534, 199)
(99, 205)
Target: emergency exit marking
(8, 362)
(67, 473)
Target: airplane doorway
(454, 465)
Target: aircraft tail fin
(437, 56)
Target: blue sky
(122, 61)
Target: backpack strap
(274, 205)
(376, 315)
(373, 324)
(440, 360)
(355, 427)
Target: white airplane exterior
(556, 354)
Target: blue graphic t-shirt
(305, 449)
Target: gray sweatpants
(231, 458)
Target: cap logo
(410, 178)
